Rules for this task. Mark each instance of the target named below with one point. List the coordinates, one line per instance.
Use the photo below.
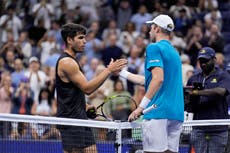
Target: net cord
(97, 124)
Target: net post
(118, 142)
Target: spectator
(215, 40)
(105, 13)
(140, 17)
(46, 44)
(207, 27)
(120, 90)
(72, 15)
(83, 61)
(111, 51)
(95, 27)
(50, 83)
(93, 46)
(56, 29)
(22, 101)
(43, 10)
(176, 9)
(220, 60)
(130, 28)
(10, 56)
(18, 75)
(10, 22)
(6, 91)
(134, 62)
(178, 42)
(195, 42)
(23, 98)
(123, 14)
(44, 107)
(208, 102)
(207, 5)
(89, 9)
(111, 29)
(159, 8)
(187, 68)
(182, 22)
(215, 16)
(52, 58)
(36, 77)
(24, 43)
(92, 69)
(125, 41)
(145, 31)
(11, 45)
(36, 32)
(2, 66)
(141, 43)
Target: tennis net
(39, 134)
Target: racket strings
(118, 107)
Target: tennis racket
(116, 107)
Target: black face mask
(207, 66)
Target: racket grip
(149, 109)
(91, 113)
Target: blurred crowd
(30, 43)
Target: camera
(198, 86)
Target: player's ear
(158, 29)
(69, 40)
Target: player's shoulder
(67, 63)
(153, 47)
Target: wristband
(144, 102)
(124, 74)
(195, 92)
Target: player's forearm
(154, 86)
(96, 82)
(135, 78)
(210, 92)
(138, 79)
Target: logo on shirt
(214, 80)
(154, 61)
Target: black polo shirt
(211, 107)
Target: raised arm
(135, 78)
(69, 71)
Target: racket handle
(91, 113)
(149, 109)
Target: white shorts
(160, 135)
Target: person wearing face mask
(208, 101)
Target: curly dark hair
(71, 30)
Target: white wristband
(124, 74)
(144, 102)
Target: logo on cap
(170, 26)
(202, 51)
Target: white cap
(164, 21)
(33, 59)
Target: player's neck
(70, 52)
(162, 37)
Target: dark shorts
(74, 137)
